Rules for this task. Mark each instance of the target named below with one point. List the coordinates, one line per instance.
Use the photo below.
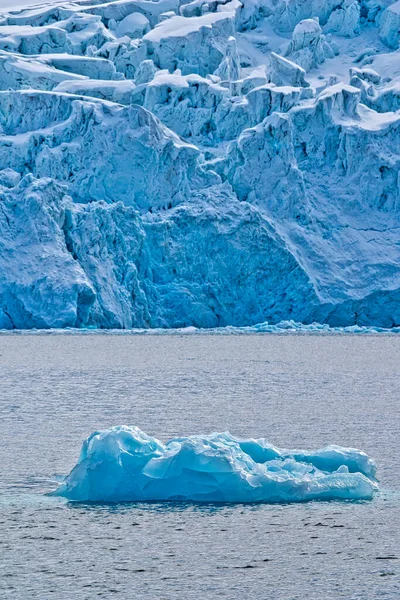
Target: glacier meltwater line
(125, 464)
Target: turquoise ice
(125, 464)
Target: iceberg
(124, 464)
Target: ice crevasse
(168, 164)
(125, 464)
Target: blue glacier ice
(174, 164)
(125, 464)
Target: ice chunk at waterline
(125, 464)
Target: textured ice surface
(125, 464)
(200, 164)
(282, 328)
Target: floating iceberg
(125, 464)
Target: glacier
(125, 464)
(173, 164)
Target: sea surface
(297, 390)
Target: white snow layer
(171, 164)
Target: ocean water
(296, 390)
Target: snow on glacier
(170, 164)
(125, 464)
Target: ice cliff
(125, 464)
(172, 164)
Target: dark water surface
(296, 390)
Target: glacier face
(173, 164)
(125, 464)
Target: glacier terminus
(171, 164)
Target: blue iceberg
(125, 464)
